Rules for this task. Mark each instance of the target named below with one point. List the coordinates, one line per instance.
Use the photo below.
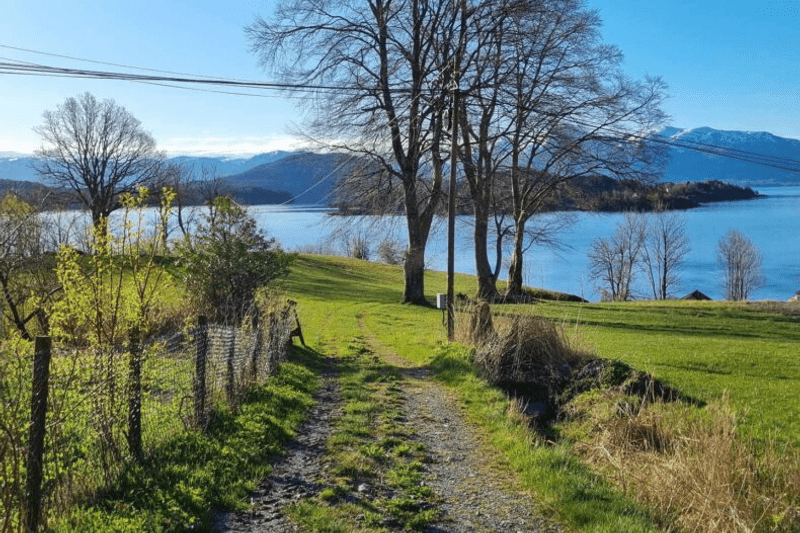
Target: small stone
(364, 487)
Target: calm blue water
(772, 223)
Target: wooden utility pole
(451, 213)
(451, 200)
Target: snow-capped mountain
(700, 154)
(737, 157)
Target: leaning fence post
(33, 488)
(201, 339)
(135, 397)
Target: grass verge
(185, 478)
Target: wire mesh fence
(109, 407)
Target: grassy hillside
(613, 465)
(702, 348)
(680, 456)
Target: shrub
(358, 247)
(228, 260)
(391, 252)
(531, 357)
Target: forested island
(591, 194)
(603, 194)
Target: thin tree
(98, 150)
(664, 252)
(389, 65)
(613, 260)
(740, 261)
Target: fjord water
(772, 223)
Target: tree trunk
(515, 268)
(487, 289)
(414, 269)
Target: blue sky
(729, 65)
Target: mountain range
(741, 158)
(738, 157)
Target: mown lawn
(706, 349)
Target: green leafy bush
(228, 259)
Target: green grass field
(703, 348)
(708, 350)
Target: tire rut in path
(294, 476)
(475, 496)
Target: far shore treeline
(596, 194)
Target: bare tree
(388, 65)
(573, 113)
(741, 261)
(482, 149)
(613, 260)
(96, 149)
(179, 180)
(664, 252)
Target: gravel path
(475, 496)
(472, 496)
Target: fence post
(201, 339)
(135, 397)
(258, 345)
(35, 459)
(231, 385)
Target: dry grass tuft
(695, 470)
(525, 349)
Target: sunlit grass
(706, 349)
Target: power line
(199, 83)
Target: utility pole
(451, 203)
(451, 211)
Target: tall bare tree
(387, 66)
(664, 252)
(98, 150)
(571, 110)
(741, 261)
(482, 149)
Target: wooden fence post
(231, 370)
(201, 340)
(258, 344)
(35, 459)
(135, 397)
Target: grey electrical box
(441, 301)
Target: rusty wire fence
(72, 419)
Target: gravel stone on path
(295, 475)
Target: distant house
(695, 295)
